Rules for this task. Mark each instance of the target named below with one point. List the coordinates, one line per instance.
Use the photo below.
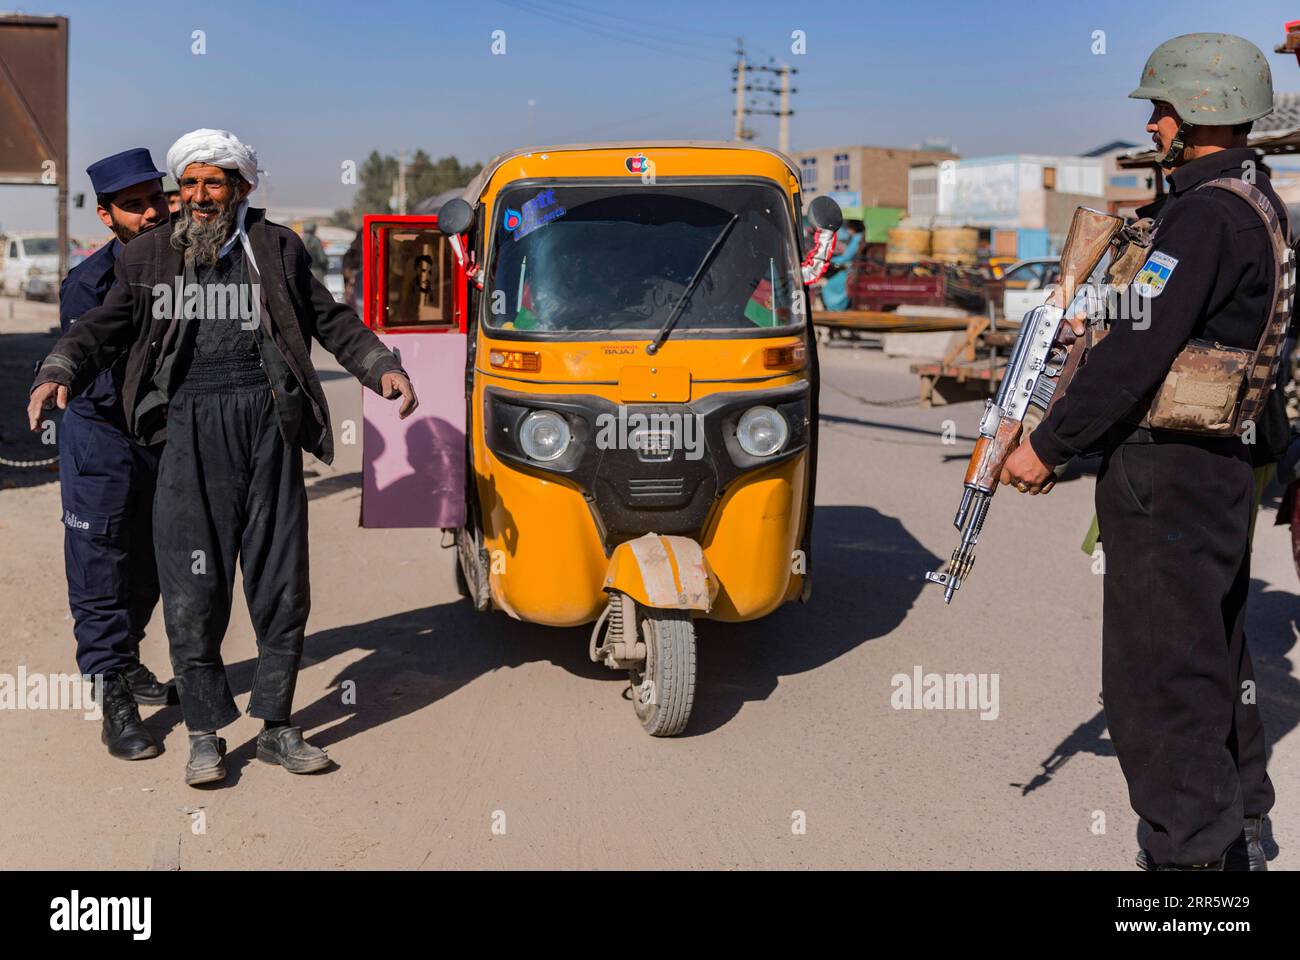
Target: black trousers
(229, 488)
(107, 483)
(1177, 679)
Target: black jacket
(296, 309)
(1220, 289)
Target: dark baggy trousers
(107, 483)
(1177, 680)
(230, 487)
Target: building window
(840, 173)
(1049, 178)
(808, 173)
(1129, 181)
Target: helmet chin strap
(1174, 155)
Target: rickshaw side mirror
(825, 216)
(456, 217)
(823, 213)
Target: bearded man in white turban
(216, 311)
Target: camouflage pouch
(1200, 393)
(1213, 390)
(1131, 250)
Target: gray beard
(201, 242)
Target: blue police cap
(123, 170)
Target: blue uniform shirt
(83, 289)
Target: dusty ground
(467, 722)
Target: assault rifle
(1043, 361)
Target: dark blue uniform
(1174, 511)
(108, 483)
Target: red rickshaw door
(414, 296)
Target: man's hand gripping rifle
(1043, 361)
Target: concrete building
(1025, 201)
(863, 176)
(1125, 190)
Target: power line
(647, 43)
(695, 99)
(678, 32)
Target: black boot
(1145, 862)
(126, 737)
(1214, 865)
(146, 688)
(1247, 851)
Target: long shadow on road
(1273, 627)
(415, 658)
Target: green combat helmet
(1211, 79)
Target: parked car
(1025, 285)
(28, 257)
(334, 272)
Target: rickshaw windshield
(610, 257)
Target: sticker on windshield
(637, 163)
(537, 212)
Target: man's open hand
(43, 398)
(394, 385)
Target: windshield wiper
(675, 314)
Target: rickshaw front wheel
(663, 687)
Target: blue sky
(312, 84)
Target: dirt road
(470, 740)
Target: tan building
(1126, 190)
(863, 176)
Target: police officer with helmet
(107, 481)
(1175, 492)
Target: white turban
(220, 148)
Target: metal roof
(476, 186)
(1274, 133)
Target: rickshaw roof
(474, 191)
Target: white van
(28, 255)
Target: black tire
(664, 691)
(462, 585)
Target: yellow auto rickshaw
(642, 396)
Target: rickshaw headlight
(544, 435)
(762, 431)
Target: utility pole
(401, 182)
(738, 71)
(785, 110)
(743, 107)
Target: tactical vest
(1213, 390)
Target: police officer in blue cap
(108, 481)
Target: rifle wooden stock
(1091, 233)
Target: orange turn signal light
(526, 360)
(785, 358)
